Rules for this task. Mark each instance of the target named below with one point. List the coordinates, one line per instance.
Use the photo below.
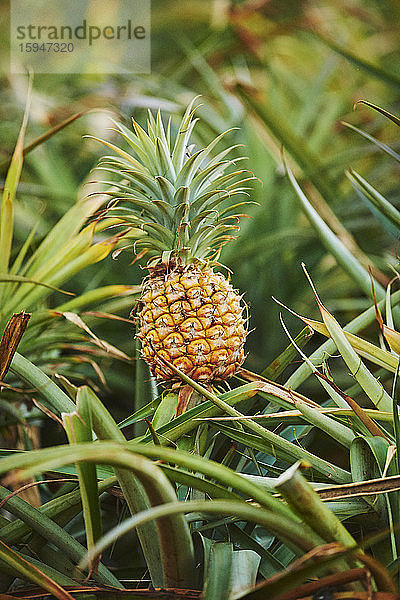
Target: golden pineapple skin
(193, 318)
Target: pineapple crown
(177, 201)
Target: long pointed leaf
(28, 571)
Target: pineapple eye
(164, 321)
(233, 342)
(160, 301)
(147, 317)
(153, 338)
(180, 307)
(191, 326)
(198, 347)
(229, 319)
(206, 311)
(218, 297)
(174, 340)
(193, 292)
(174, 292)
(219, 357)
(184, 364)
(188, 281)
(215, 332)
(202, 374)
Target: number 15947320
(46, 47)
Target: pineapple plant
(179, 203)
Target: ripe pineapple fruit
(189, 315)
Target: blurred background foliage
(283, 73)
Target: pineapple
(189, 315)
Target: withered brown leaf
(12, 334)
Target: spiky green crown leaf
(182, 200)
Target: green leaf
(188, 421)
(165, 411)
(337, 431)
(145, 393)
(396, 418)
(66, 504)
(78, 426)
(198, 483)
(63, 256)
(286, 357)
(60, 239)
(173, 532)
(140, 179)
(20, 279)
(28, 571)
(328, 348)
(371, 458)
(383, 112)
(57, 576)
(148, 148)
(127, 160)
(49, 392)
(361, 63)
(273, 442)
(183, 136)
(288, 452)
(218, 571)
(167, 191)
(142, 413)
(43, 525)
(366, 349)
(269, 562)
(94, 297)
(245, 566)
(164, 158)
(287, 530)
(372, 387)
(10, 188)
(144, 485)
(223, 475)
(17, 264)
(378, 143)
(333, 244)
(90, 256)
(385, 208)
(299, 494)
